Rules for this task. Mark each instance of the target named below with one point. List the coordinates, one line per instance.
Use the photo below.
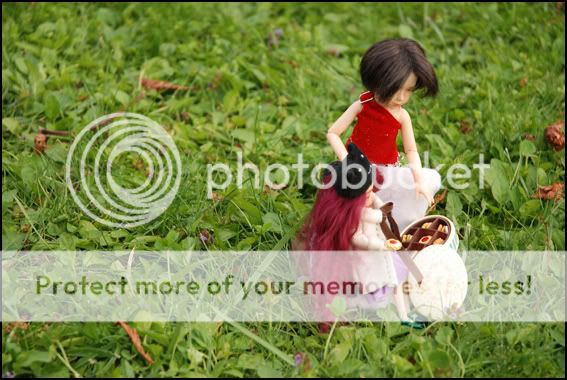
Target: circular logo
(129, 170)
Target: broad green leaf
(340, 352)
(444, 335)
(52, 107)
(274, 221)
(88, 230)
(439, 359)
(57, 152)
(12, 124)
(251, 211)
(267, 371)
(27, 358)
(230, 101)
(453, 205)
(12, 240)
(402, 364)
(527, 148)
(244, 135)
(122, 97)
(195, 356)
(405, 31)
(531, 208)
(338, 306)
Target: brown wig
(387, 64)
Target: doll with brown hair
(392, 70)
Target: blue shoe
(414, 324)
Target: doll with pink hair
(347, 216)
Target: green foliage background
(501, 71)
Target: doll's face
(403, 95)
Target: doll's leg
(399, 188)
(400, 302)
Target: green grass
(65, 65)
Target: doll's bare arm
(410, 147)
(339, 126)
(376, 244)
(364, 240)
(370, 215)
(360, 240)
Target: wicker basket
(445, 281)
(440, 227)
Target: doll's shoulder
(404, 115)
(405, 118)
(356, 106)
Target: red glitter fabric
(376, 131)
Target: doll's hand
(421, 190)
(376, 244)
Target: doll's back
(376, 131)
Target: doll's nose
(403, 96)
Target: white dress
(398, 187)
(374, 262)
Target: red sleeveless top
(376, 131)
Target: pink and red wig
(330, 227)
(333, 220)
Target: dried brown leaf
(40, 143)
(529, 137)
(437, 199)
(160, 85)
(135, 338)
(555, 136)
(16, 325)
(48, 132)
(523, 82)
(465, 127)
(217, 197)
(550, 192)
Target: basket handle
(393, 232)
